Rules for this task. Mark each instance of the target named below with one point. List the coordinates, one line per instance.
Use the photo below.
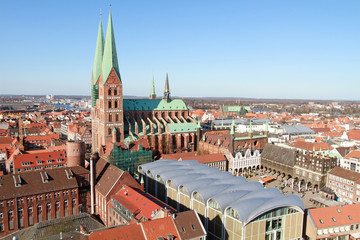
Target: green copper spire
(98, 55)
(110, 60)
(153, 86)
(152, 93)
(250, 127)
(167, 89)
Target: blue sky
(255, 49)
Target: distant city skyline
(242, 49)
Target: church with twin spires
(161, 124)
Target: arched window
(109, 92)
(73, 206)
(115, 91)
(65, 202)
(109, 103)
(30, 216)
(20, 211)
(1, 215)
(10, 213)
(109, 131)
(116, 104)
(110, 118)
(39, 208)
(30, 210)
(48, 206)
(117, 117)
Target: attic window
(338, 210)
(136, 199)
(321, 221)
(183, 229)
(350, 217)
(333, 219)
(193, 227)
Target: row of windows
(39, 197)
(343, 180)
(39, 208)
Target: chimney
(92, 183)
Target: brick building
(164, 123)
(335, 223)
(32, 197)
(181, 226)
(345, 183)
(109, 180)
(131, 205)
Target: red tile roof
(43, 156)
(310, 146)
(139, 203)
(339, 213)
(354, 134)
(353, 154)
(129, 232)
(160, 228)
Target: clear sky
(256, 49)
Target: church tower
(167, 89)
(152, 93)
(107, 113)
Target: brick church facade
(163, 122)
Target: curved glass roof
(248, 199)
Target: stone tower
(107, 112)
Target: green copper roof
(182, 127)
(253, 137)
(154, 105)
(110, 60)
(240, 110)
(99, 51)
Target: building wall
(26, 218)
(347, 190)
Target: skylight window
(350, 217)
(338, 210)
(321, 221)
(333, 219)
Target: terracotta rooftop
(335, 216)
(310, 146)
(353, 154)
(139, 203)
(30, 183)
(344, 173)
